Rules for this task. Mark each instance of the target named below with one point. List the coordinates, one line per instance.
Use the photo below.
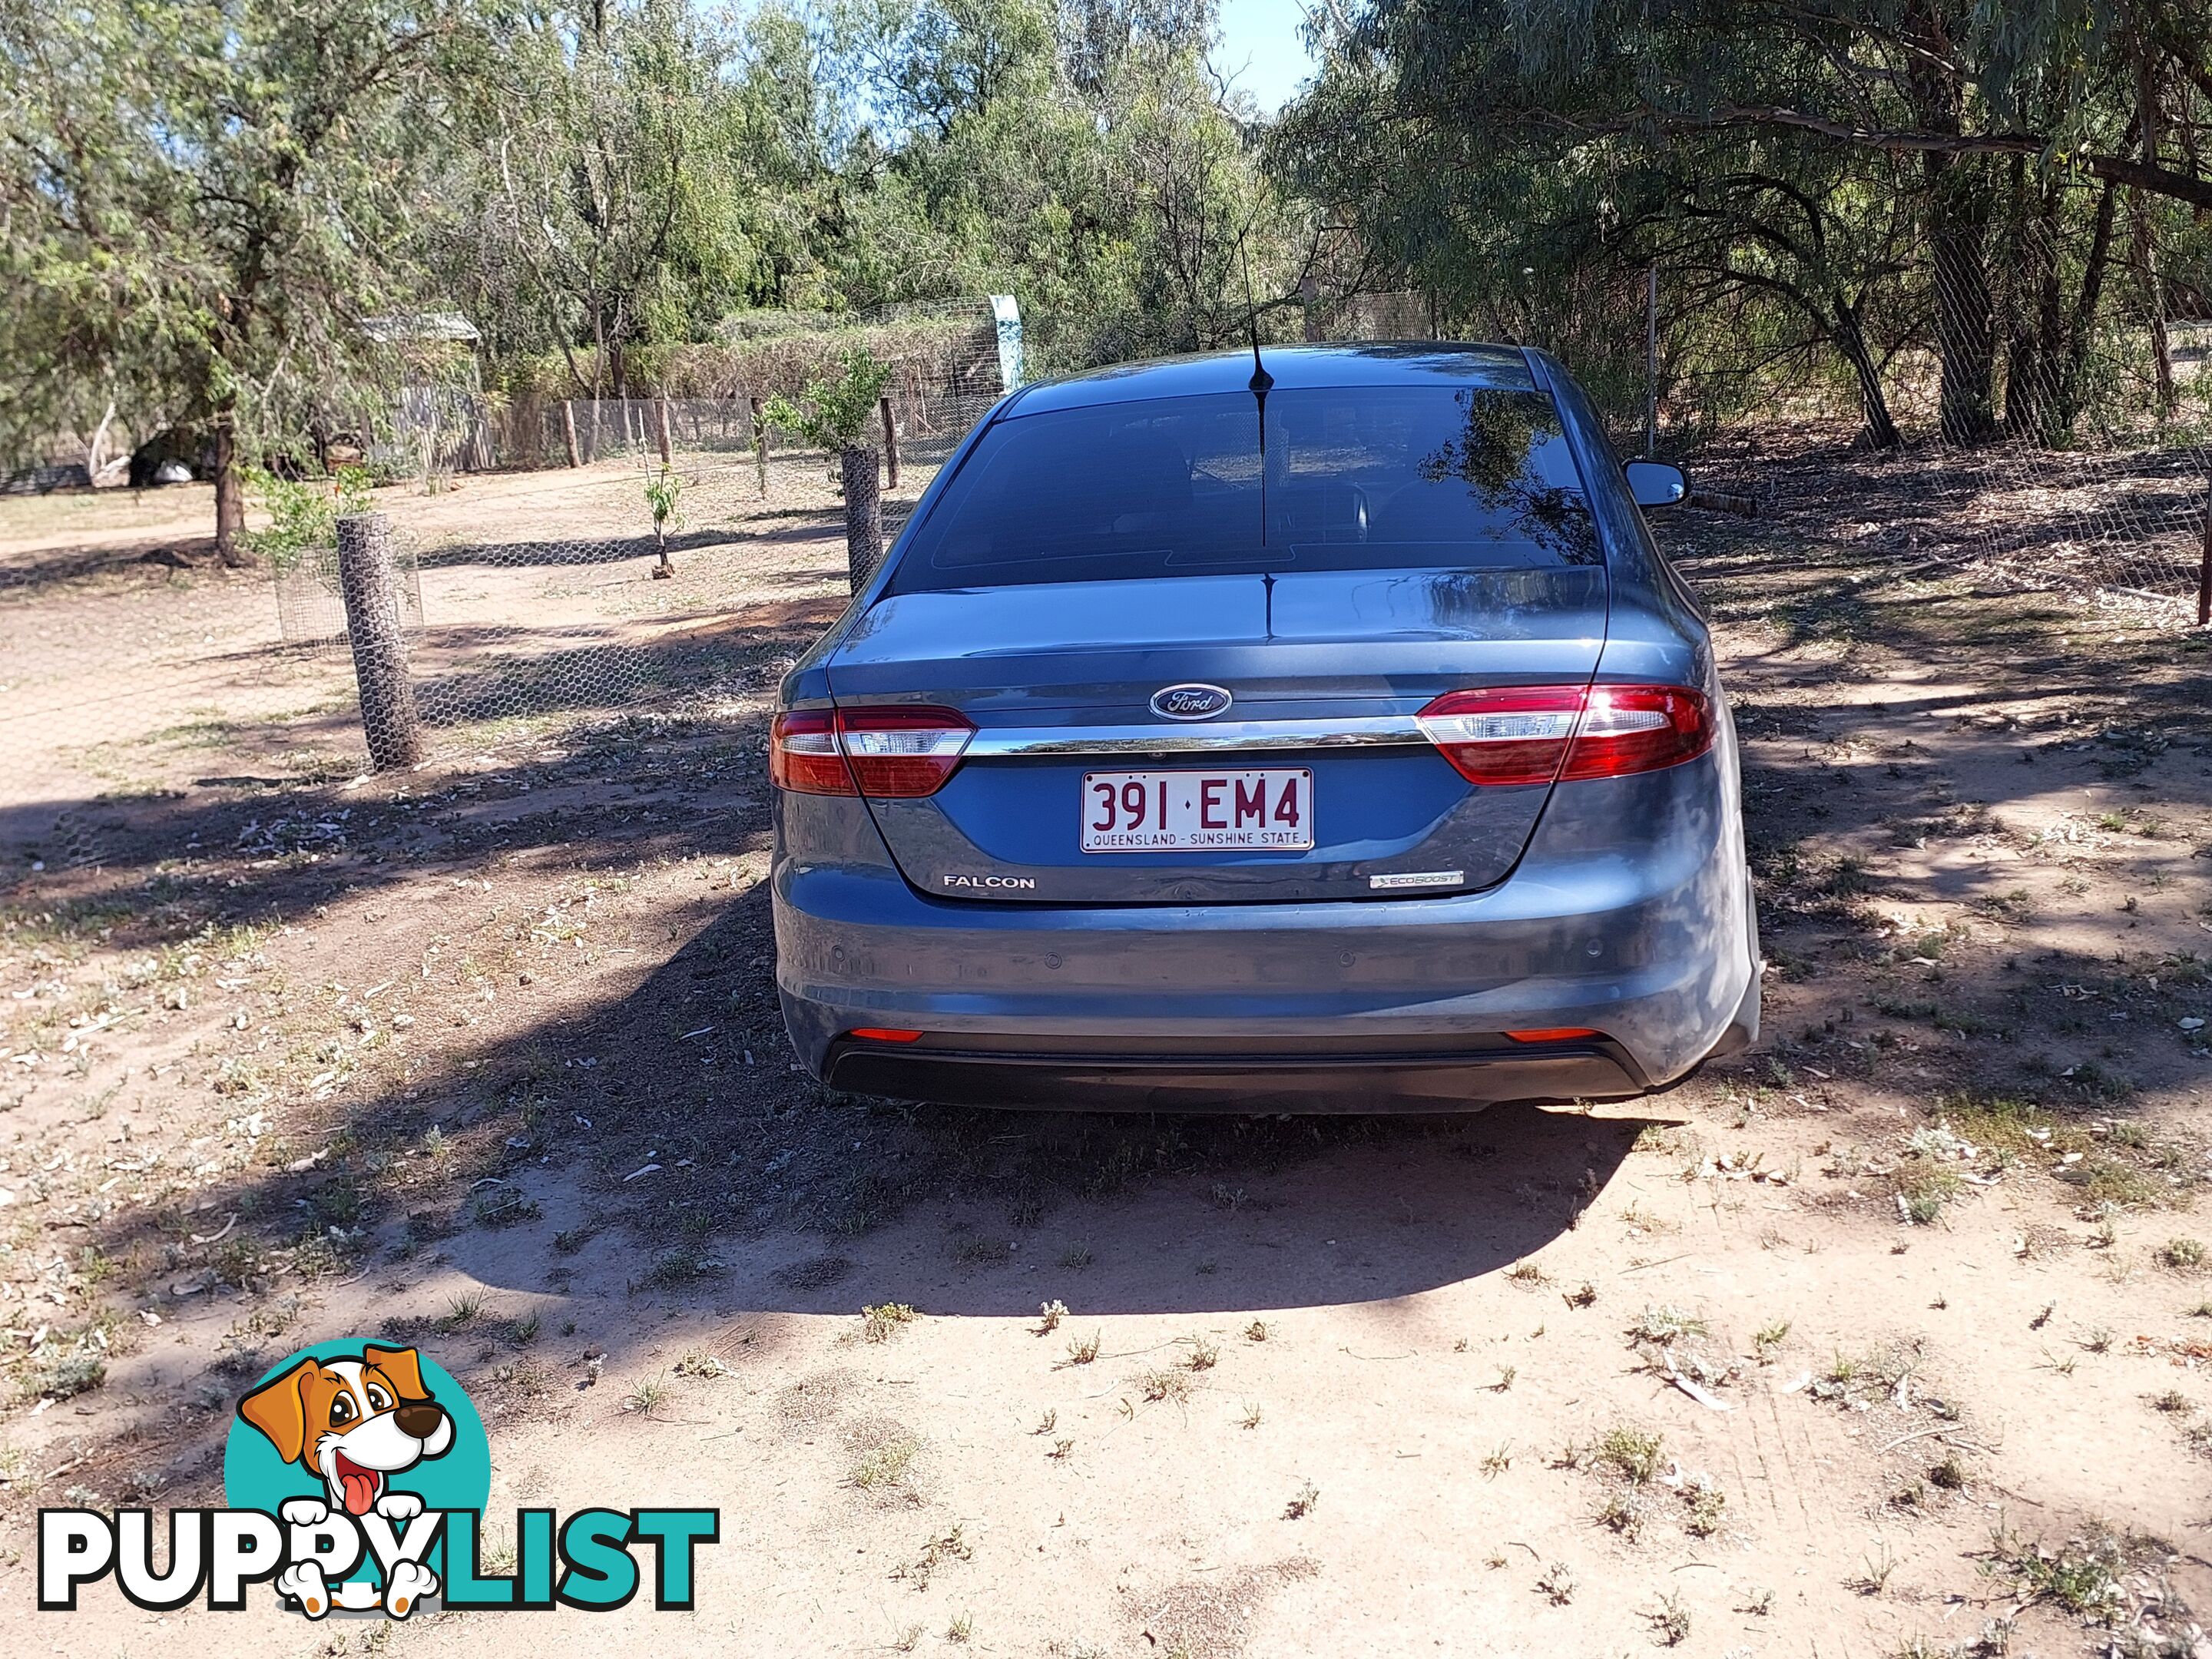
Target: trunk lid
(1326, 670)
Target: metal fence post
(369, 581)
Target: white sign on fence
(1008, 316)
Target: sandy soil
(132, 665)
(486, 1056)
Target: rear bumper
(1230, 1077)
(1350, 1006)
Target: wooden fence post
(890, 446)
(569, 432)
(2204, 569)
(660, 427)
(760, 446)
(368, 580)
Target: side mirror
(1657, 483)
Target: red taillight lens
(901, 752)
(1638, 728)
(1535, 734)
(803, 755)
(894, 753)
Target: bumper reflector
(883, 1034)
(1554, 1034)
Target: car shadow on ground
(1239, 1216)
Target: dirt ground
(1891, 1338)
(133, 665)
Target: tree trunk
(2031, 302)
(2067, 406)
(1965, 338)
(96, 453)
(864, 513)
(1874, 403)
(2050, 327)
(2148, 117)
(2154, 303)
(1957, 213)
(229, 495)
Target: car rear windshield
(1350, 478)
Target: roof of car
(1380, 362)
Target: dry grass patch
(884, 1321)
(883, 1463)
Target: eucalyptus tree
(615, 194)
(1463, 99)
(198, 203)
(1078, 154)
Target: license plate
(1189, 811)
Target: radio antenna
(1261, 380)
(1260, 383)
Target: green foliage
(607, 204)
(1827, 192)
(198, 202)
(662, 492)
(835, 412)
(199, 205)
(303, 514)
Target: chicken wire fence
(2036, 396)
(683, 551)
(695, 577)
(688, 554)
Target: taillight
(1638, 728)
(1537, 734)
(900, 752)
(897, 752)
(1510, 735)
(803, 753)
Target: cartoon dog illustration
(354, 1422)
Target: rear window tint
(1350, 478)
